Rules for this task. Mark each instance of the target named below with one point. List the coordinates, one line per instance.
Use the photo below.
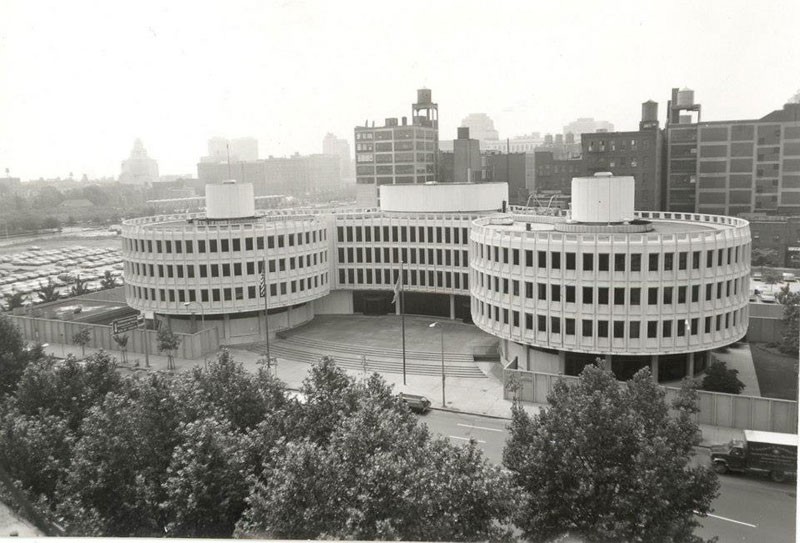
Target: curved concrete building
(640, 288)
(658, 289)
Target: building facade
(296, 175)
(638, 288)
(636, 154)
(397, 152)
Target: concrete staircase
(382, 360)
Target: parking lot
(28, 270)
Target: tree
(14, 356)
(764, 256)
(380, 476)
(206, 483)
(606, 462)
(48, 292)
(169, 342)
(79, 288)
(719, 378)
(108, 280)
(796, 98)
(82, 337)
(791, 320)
(771, 276)
(122, 342)
(14, 300)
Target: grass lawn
(776, 372)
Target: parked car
(415, 402)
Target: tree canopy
(606, 462)
(791, 320)
(719, 378)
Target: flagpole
(266, 300)
(403, 318)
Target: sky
(81, 80)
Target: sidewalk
(472, 396)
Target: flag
(262, 287)
(397, 288)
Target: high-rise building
(732, 167)
(481, 127)
(139, 169)
(587, 125)
(636, 154)
(235, 150)
(397, 152)
(331, 145)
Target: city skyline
(75, 96)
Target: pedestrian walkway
(738, 357)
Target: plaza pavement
(377, 339)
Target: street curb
(453, 410)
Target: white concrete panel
(230, 200)
(339, 302)
(444, 197)
(602, 199)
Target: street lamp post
(438, 324)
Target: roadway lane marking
(480, 427)
(465, 439)
(729, 520)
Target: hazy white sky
(79, 80)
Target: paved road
(749, 509)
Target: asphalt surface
(748, 509)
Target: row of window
(433, 257)
(224, 245)
(411, 278)
(402, 234)
(227, 294)
(621, 295)
(234, 269)
(603, 261)
(653, 329)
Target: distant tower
(139, 169)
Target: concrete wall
(444, 197)
(716, 408)
(55, 331)
(338, 302)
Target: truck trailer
(771, 453)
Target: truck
(770, 453)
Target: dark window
(652, 296)
(682, 258)
(652, 329)
(619, 329)
(696, 260)
(555, 293)
(681, 295)
(542, 291)
(569, 327)
(586, 328)
(587, 297)
(602, 261)
(619, 262)
(602, 295)
(570, 262)
(668, 261)
(666, 329)
(528, 258)
(542, 323)
(636, 262)
(667, 295)
(555, 260)
(634, 329)
(542, 262)
(652, 262)
(695, 293)
(555, 325)
(636, 294)
(602, 328)
(619, 296)
(570, 294)
(588, 262)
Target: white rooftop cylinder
(230, 200)
(602, 198)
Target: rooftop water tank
(685, 98)
(230, 200)
(424, 96)
(649, 111)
